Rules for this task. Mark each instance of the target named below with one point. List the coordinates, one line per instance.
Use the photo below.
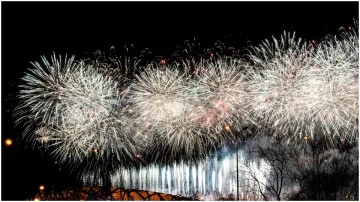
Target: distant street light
(42, 187)
(8, 142)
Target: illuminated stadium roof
(99, 193)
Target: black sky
(31, 29)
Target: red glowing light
(289, 76)
(313, 41)
(349, 28)
(138, 156)
(212, 55)
(162, 62)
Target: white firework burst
(282, 89)
(305, 91)
(337, 62)
(88, 113)
(158, 97)
(39, 94)
(220, 88)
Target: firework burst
(162, 110)
(276, 82)
(220, 88)
(301, 90)
(158, 97)
(289, 89)
(87, 112)
(39, 95)
(336, 61)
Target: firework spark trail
(187, 139)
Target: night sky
(32, 29)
